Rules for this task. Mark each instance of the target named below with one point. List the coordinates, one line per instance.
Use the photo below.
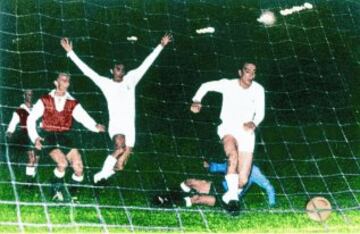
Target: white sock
(77, 178)
(188, 201)
(232, 181)
(30, 171)
(184, 187)
(58, 173)
(109, 164)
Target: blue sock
(217, 167)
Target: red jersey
(55, 121)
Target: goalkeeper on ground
(120, 96)
(20, 117)
(256, 177)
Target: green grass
(308, 144)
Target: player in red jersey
(58, 109)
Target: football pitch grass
(308, 145)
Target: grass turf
(308, 144)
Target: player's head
(247, 73)
(28, 93)
(62, 82)
(118, 72)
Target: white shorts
(127, 130)
(245, 139)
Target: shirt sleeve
(259, 107)
(96, 78)
(215, 86)
(13, 123)
(84, 118)
(36, 113)
(139, 72)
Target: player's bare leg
(111, 160)
(77, 177)
(244, 168)
(61, 164)
(207, 200)
(230, 148)
(121, 162)
(32, 163)
(200, 186)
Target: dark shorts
(65, 141)
(21, 140)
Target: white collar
(24, 106)
(67, 95)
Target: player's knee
(119, 141)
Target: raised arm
(85, 119)
(36, 113)
(215, 86)
(13, 123)
(68, 47)
(149, 60)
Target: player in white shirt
(243, 109)
(20, 116)
(120, 96)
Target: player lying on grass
(58, 109)
(20, 117)
(120, 96)
(243, 109)
(256, 177)
(195, 192)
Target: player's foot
(227, 197)
(233, 208)
(59, 197)
(98, 177)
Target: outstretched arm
(215, 86)
(68, 47)
(13, 123)
(140, 71)
(85, 119)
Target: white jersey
(239, 105)
(120, 96)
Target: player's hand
(100, 127)
(249, 126)
(9, 134)
(166, 39)
(38, 144)
(66, 44)
(195, 107)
